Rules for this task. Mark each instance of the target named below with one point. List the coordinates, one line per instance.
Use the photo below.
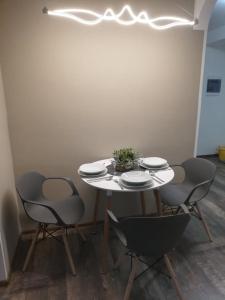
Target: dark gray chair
(146, 237)
(62, 213)
(199, 175)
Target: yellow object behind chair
(221, 152)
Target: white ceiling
(218, 15)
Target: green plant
(125, 158)
(125, 155)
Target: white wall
(212, 117)
(202, 12)
(9, 223)
(216, 36)
(75, 93)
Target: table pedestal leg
(143, 206)
(97, 199)
(158, 202)
(105, 246)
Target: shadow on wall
(9, 220)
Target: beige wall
(9, 224)
(75, 93)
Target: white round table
(111, 184)
(162, 177)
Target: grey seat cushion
(174, 194)
(199, 175)
(70, 210)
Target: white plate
(127, 186)
(154, 162)
(93, 168)
(136, 178)
(166, 166)
(92, 175)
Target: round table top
(166, 175)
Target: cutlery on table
(118, 182)
(155, 177)
(96, 179)
(161, 170)
(158, 181)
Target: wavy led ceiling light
(83, 16)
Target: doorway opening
(211, 133)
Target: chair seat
(70, 210)
(174, 194)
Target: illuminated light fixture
(83, 16)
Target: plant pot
(125, 166)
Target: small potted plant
(125, 159)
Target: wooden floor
(200, 265)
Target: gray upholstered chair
(146, 237)
(62, 213)
(199, 175)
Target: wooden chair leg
(31, 249)
(68, 253)
(105, 242)
(97, 200)
(158, 202)
(118, 261)
(173, 276)
(131, 279)
(202, 219)
(44, 232)
(80, 233)
(143, 205)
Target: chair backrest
(29, 186)
(151, 236)
(198, 170)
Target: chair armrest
(197, 186)
(69, 181)
(112, 216)
(53, 212)
(176, 165)
(184, 208)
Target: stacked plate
(154, 163)
(136, 180)
(92, 170)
